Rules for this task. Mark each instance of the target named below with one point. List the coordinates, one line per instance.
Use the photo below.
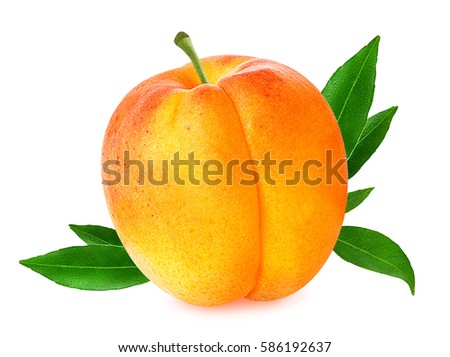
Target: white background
(64, 68)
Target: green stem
(183, 41)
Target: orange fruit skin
(212, 244)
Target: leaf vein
(378, 258)
(354, 84)
(78, 266)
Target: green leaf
(96, 235)
(91, 267)
(372, 136)
(374, 251)
(350, 91)
(355, 198)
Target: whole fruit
(243, 231)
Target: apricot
(243, 231)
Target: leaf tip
(24, 262)
(374, 44)
(412, 284)
(412, 288)
(75, 228)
